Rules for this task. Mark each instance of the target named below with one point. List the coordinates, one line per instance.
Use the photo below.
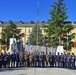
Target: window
(43, 22)
(21, 22)
(29, 30)
(32, 22)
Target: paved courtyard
(37, 71)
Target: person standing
(26, 58)
(30, 59)
(13, 59)
(61, 60)
(50, 59)
(47, 59)
(73, 61)
(65, 60)
(35, 59)
(58, 60)
(0, 60)
(44, 58)
(69, 61)
(17, 59)
(55, 59)
(8, 60)
(4, 60)
(41, 60)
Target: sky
(26, 10)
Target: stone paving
(37, 71)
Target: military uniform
(0, 60)
(41, 60)
(55, 59)
(17, 60)
(65, 61)
(69, 61)
(44, 58)
(13, 59)
(47, 60)
(61, 60)
(4, 60)
(30, 60)
(58, 60)
(26, 58)
(73, 61)
(8, 60)
(50, 60)
(35, 60)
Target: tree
(8, 33)
(33, 36)
(58, 27)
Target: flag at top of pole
(44, 40)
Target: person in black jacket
(73, 61)
(8, 60)
(17, 59)
(0, 60)
(4, 59)
(13, 59)
(50, 59)
(35, 59)
(58, 60)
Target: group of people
(37, 59)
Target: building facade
(26, 28)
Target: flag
(75, 42)
(21, 45)
(6, 39)
(67, 41)
(28, 41)
(44, 40)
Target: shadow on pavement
(12, 69)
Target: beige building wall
(27, 30)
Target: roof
(27, 24)
(19, 24)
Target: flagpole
(37, 28)
(37, 22)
